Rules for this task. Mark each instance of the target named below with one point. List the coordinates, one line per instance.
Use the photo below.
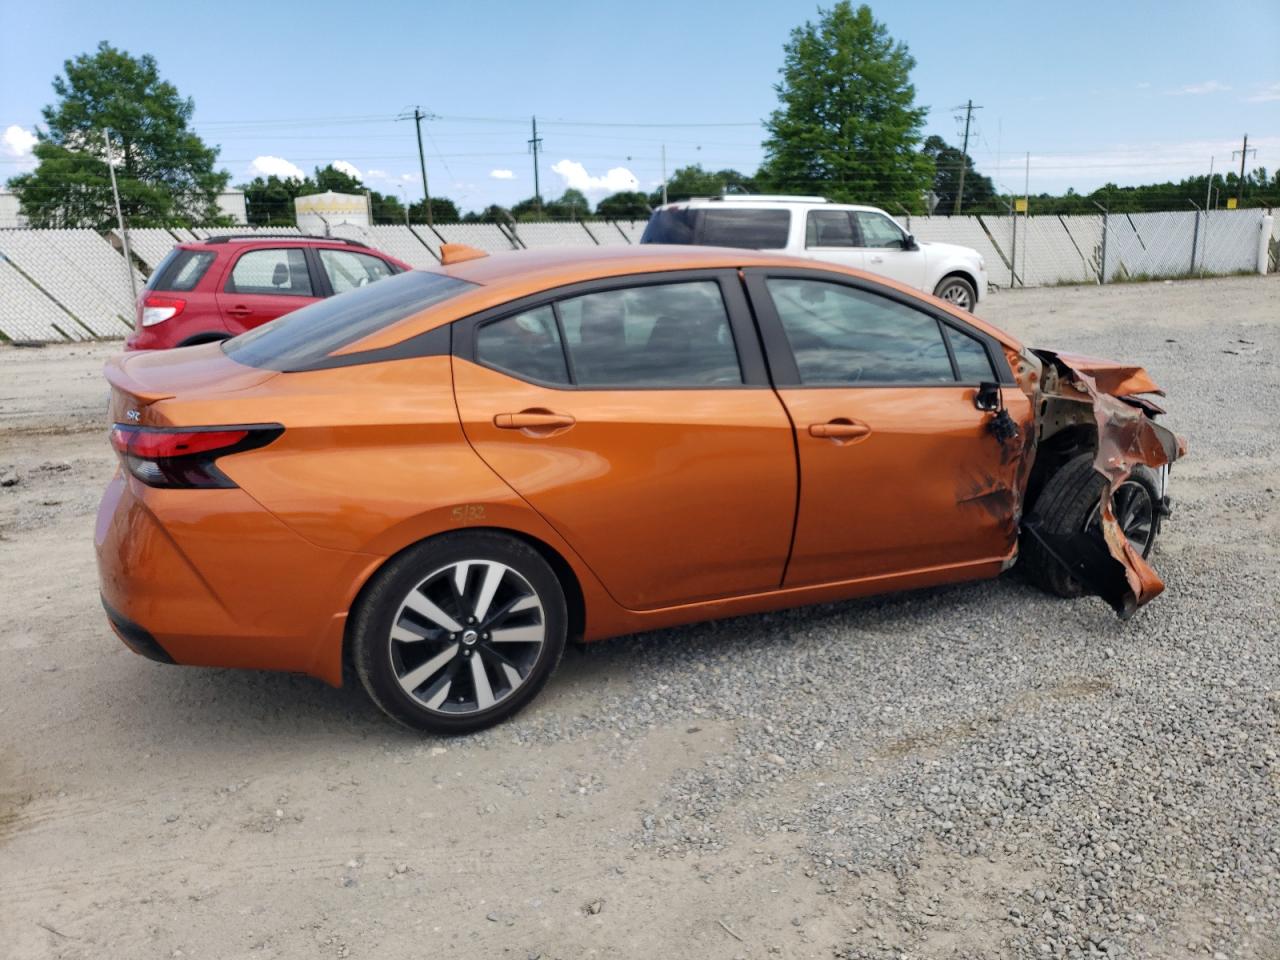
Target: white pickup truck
(863, 237)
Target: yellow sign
(1231, 203)
(1020, 205)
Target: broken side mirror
(988, 396)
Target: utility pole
(664, 174)
(124, 232)
(1244, 151)
(418, 116)
(964, 151)
(535, 144)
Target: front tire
(957, 291)
(460, 632)
(1070, 502)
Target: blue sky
(1119, 91)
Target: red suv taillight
(185, 456)
(156, 309)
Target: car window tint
(829, 228)
(672, 225)
(526, 345)
(659, 335)
(841, 335)
(181, 270)
(283, 272)
(878, 230)
(307, 336)
(347, 270)
(972, 361)
(753, 229)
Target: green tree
(571, 205)
(165, 172)
(627, 205)
(847, 124)
(269, 202)
(693, 181)
(443, 210)
(979, 192)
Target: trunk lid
(140, 380)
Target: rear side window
(720, 227)
(972, 361)
(661, 335)
(274, 272)
(526, 345)
(672, 225)
(753, 229)
(842, 336)
(181, 270)
(829, 228)
(305, 337)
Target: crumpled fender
(1127, 436)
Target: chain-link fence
(73, 284)
(1049, 249)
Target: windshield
(302, 338)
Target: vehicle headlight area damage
(1084, 404)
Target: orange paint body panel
(657, 506)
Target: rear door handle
(840, 429)
(239, 311)
(533, 420)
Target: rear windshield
(720, 227)
(304, 337)
(180, 270)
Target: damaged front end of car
(1086, 405)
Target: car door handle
(877, 259)
(839, 430)
(533, 420)
(239, 310)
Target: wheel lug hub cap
(469, 638)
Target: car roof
(503, 277)
(274, 239)
(746, 202)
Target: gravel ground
(978, 771)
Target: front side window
(842, 336)
(879, 231)
(276, 272)
(659, 335)
(347, 270)
(752, 229)
(972, 362)
(527, 346)
(829, 228)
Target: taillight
(185, 456)
(156, 309)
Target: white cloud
(576, 177)
(502, 174)
(378, 174)
(1144, 85)
(350, 169)
(1267, 94)
(1197, 89)
(406, 177)
(267, 166)
(17, 142)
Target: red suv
(223, 286)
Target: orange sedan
(434, 482)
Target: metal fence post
(1102, 274)
(1195, 235)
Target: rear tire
(1068, 503)
(957, 291)
(458, 633)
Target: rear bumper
(210, 578)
